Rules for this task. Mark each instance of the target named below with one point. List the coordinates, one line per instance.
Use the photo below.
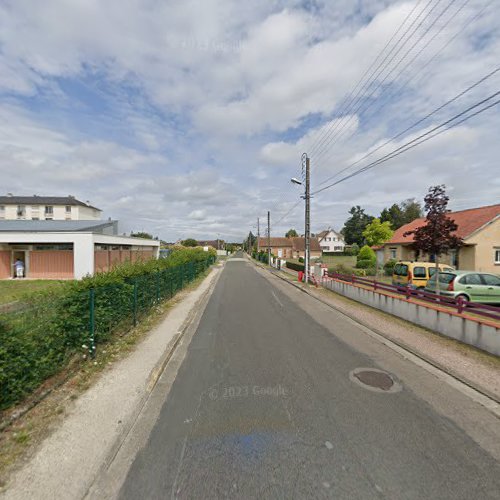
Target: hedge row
(295, 266)
(38, 339)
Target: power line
(409, 63)
(421, 139)
(421, 120)
(359, 103)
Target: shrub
(301, 259)
(295, 266)
(50, 327)
(366, 258)
(364, 263)
(389, 267)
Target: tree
(403, 213)
(190, 242)
(377, 232)
(291, 233)
(435, 236)
(355, 225)
(250, 241)
(142, 234)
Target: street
(268, 403)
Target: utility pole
(307, 234)
(258, 235)
(269, 237)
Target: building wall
(59, 212)
(51, 264)
(485, 241)
(334, 244)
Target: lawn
(11, 290)
(346, 260)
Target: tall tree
(291, 233)
(403, 213)
(377, 232)
(411, 210)
(355, 225)
(190, 242)
(393, 215)
(250, 241)
(435, 236)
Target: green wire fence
(38, 339)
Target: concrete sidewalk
(68, 461)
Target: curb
(484, 392)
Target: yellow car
(416, 274)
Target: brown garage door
(51, 264)
(5, 270)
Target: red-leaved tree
(435, 236)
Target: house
(290, 248)
(46, 208)
(217, 244)
(68, 249)
(331, 241)
(480, 230)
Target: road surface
(266, 405)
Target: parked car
(470, 285)
(415, 274)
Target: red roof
(468, 221)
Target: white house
(46, 208)
(331, 241)
(68, 249)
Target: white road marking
(277, 300)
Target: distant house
(331, 241)
(217, 244)
(480, 230)
(53, 249)
(46, 208)
(290, 248)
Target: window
(49, 210)
(497, 252)
(419, 272)
(392, 253)
(471, 279)
(2, 211)
(454, 258)
(338, 249)
(491, 280)
(401, 270)
(21, 211)
(68, 209)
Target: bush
(352, 249)
(295, 266)
(50, 327)
(301, 259)
(366, 258)
(389, 267)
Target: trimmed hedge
(49, 328)
(295, 266)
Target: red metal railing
(459, 304)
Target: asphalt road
(263, 406)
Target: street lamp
(294, 180)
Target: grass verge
(12, 290)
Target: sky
(188, 119)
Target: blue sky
(188, 119)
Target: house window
(392, 253)
(49, 210)
(338, 249)
(454, 258)
(21, 211)
(68, 209)
(2, 211)
(497, 255)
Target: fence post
(460, 305)
(374, 285)
(171, 285)
(135, 302)
(408, 292)
(92, 350)
(181, 268)
(157, 286)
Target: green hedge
(295, 266)
(48, 328)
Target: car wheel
(463, 296)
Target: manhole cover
(375, 380)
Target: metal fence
(39, 336)
(459, 305)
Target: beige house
(46, 208)
(478, 227)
